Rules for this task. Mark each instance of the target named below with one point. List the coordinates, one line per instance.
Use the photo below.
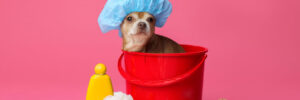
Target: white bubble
(119, 96)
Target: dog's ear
(120, 30)
(121, 25)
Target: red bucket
(173, 76)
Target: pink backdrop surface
(48, 48)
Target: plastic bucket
(172, 76)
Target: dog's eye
(129, 18)
(150, 19)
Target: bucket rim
(171, 54)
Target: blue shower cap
(115, 11)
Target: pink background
(48, 48)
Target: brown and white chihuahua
(138, 35)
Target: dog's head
(137, 28)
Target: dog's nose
(142, 25)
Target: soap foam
(119, 96)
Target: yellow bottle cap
(100, 69)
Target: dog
(138, 31)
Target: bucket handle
(157, 83)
